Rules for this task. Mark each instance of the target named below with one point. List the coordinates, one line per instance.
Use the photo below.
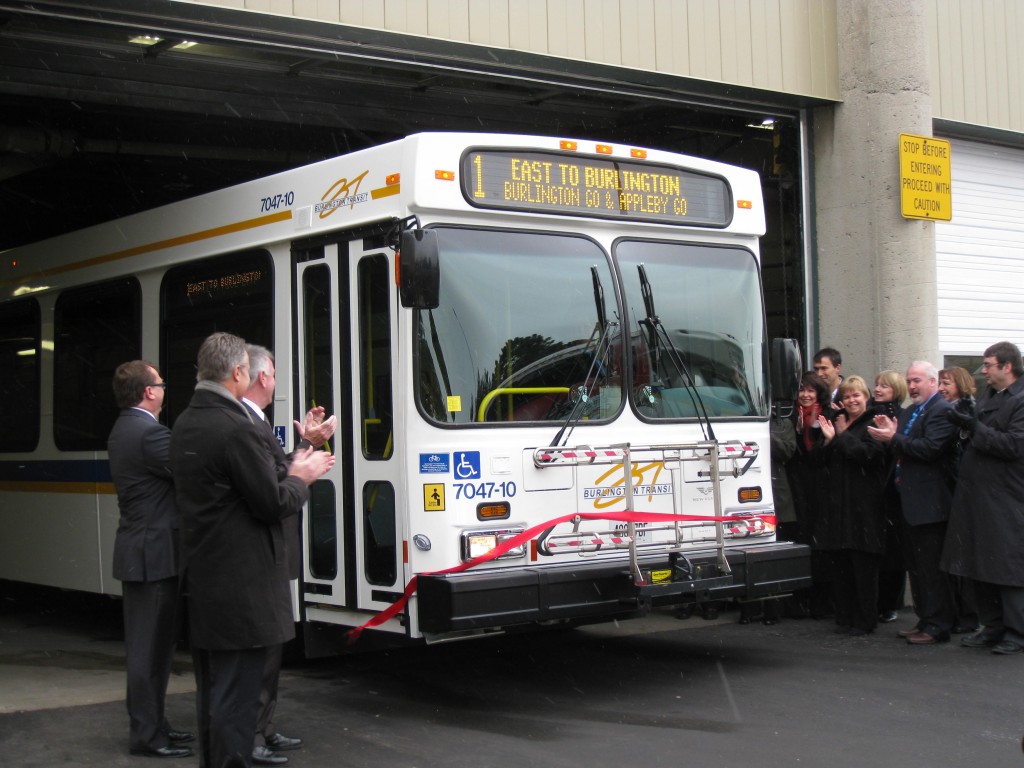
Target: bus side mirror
(786, 369)
(419, 270)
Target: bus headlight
(748, 523)
(476, 543)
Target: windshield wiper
(658, 339)
(598, 364)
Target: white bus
(547, 358)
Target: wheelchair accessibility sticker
(466, 465)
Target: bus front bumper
(601, 591)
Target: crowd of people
(217, 551)
(912, 481)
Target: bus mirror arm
(419, 269)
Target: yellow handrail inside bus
(481, 412)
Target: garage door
(980, 253)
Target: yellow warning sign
(433, 497)
(925, 185)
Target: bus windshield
(519, 334)
(711, 357)
(517, 331)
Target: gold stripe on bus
(194, 237)
(377, 194)
(37, 487)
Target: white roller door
(980, 253)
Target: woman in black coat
(889, 395)
(851, 525)
(807, 484)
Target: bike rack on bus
(732, 457)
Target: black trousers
(931, 588)
(151, 626)
(227, 704)
(268, 693)
(855, 586)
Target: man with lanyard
(921, 443)
(986, 527)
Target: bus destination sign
(594, 186)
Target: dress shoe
(168, 751)
(1007, 648)
(925, 638)
(908, 632)
(180, 737)
(279, 743)
(980, 640)
(263, 756)
(959, 629)
(887, 617)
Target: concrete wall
(876, 271)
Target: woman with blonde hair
(851, 526)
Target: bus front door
(345, 310)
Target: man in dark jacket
(922, 444)
(146, 555)
(986, 528)
(232, 502)
(314, 431)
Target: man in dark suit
(986, 527)
(232, 501)
(922, 444)
(314, 431)
(146, 555)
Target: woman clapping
(851, 525)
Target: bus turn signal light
(444, 175)
(750, 494)
(744, 204)
(493, 511)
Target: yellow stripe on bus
(377, 194)
(38, 487)
(194, 237)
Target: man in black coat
(922, 444)
(232, 501)
(146, 555)
(314, 431)
(986, 528)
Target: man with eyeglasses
(146, 555)
(985, 537)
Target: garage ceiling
(114, 106)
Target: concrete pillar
(876, 274)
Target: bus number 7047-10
(486, 490)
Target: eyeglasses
(161, 384)
(987, 366)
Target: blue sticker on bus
(435, 463)
(466, 465)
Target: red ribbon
(622, 517)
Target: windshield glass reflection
(708, 299)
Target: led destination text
(593, 186)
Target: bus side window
(96, 328)
(20, 349)
(375, 354)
